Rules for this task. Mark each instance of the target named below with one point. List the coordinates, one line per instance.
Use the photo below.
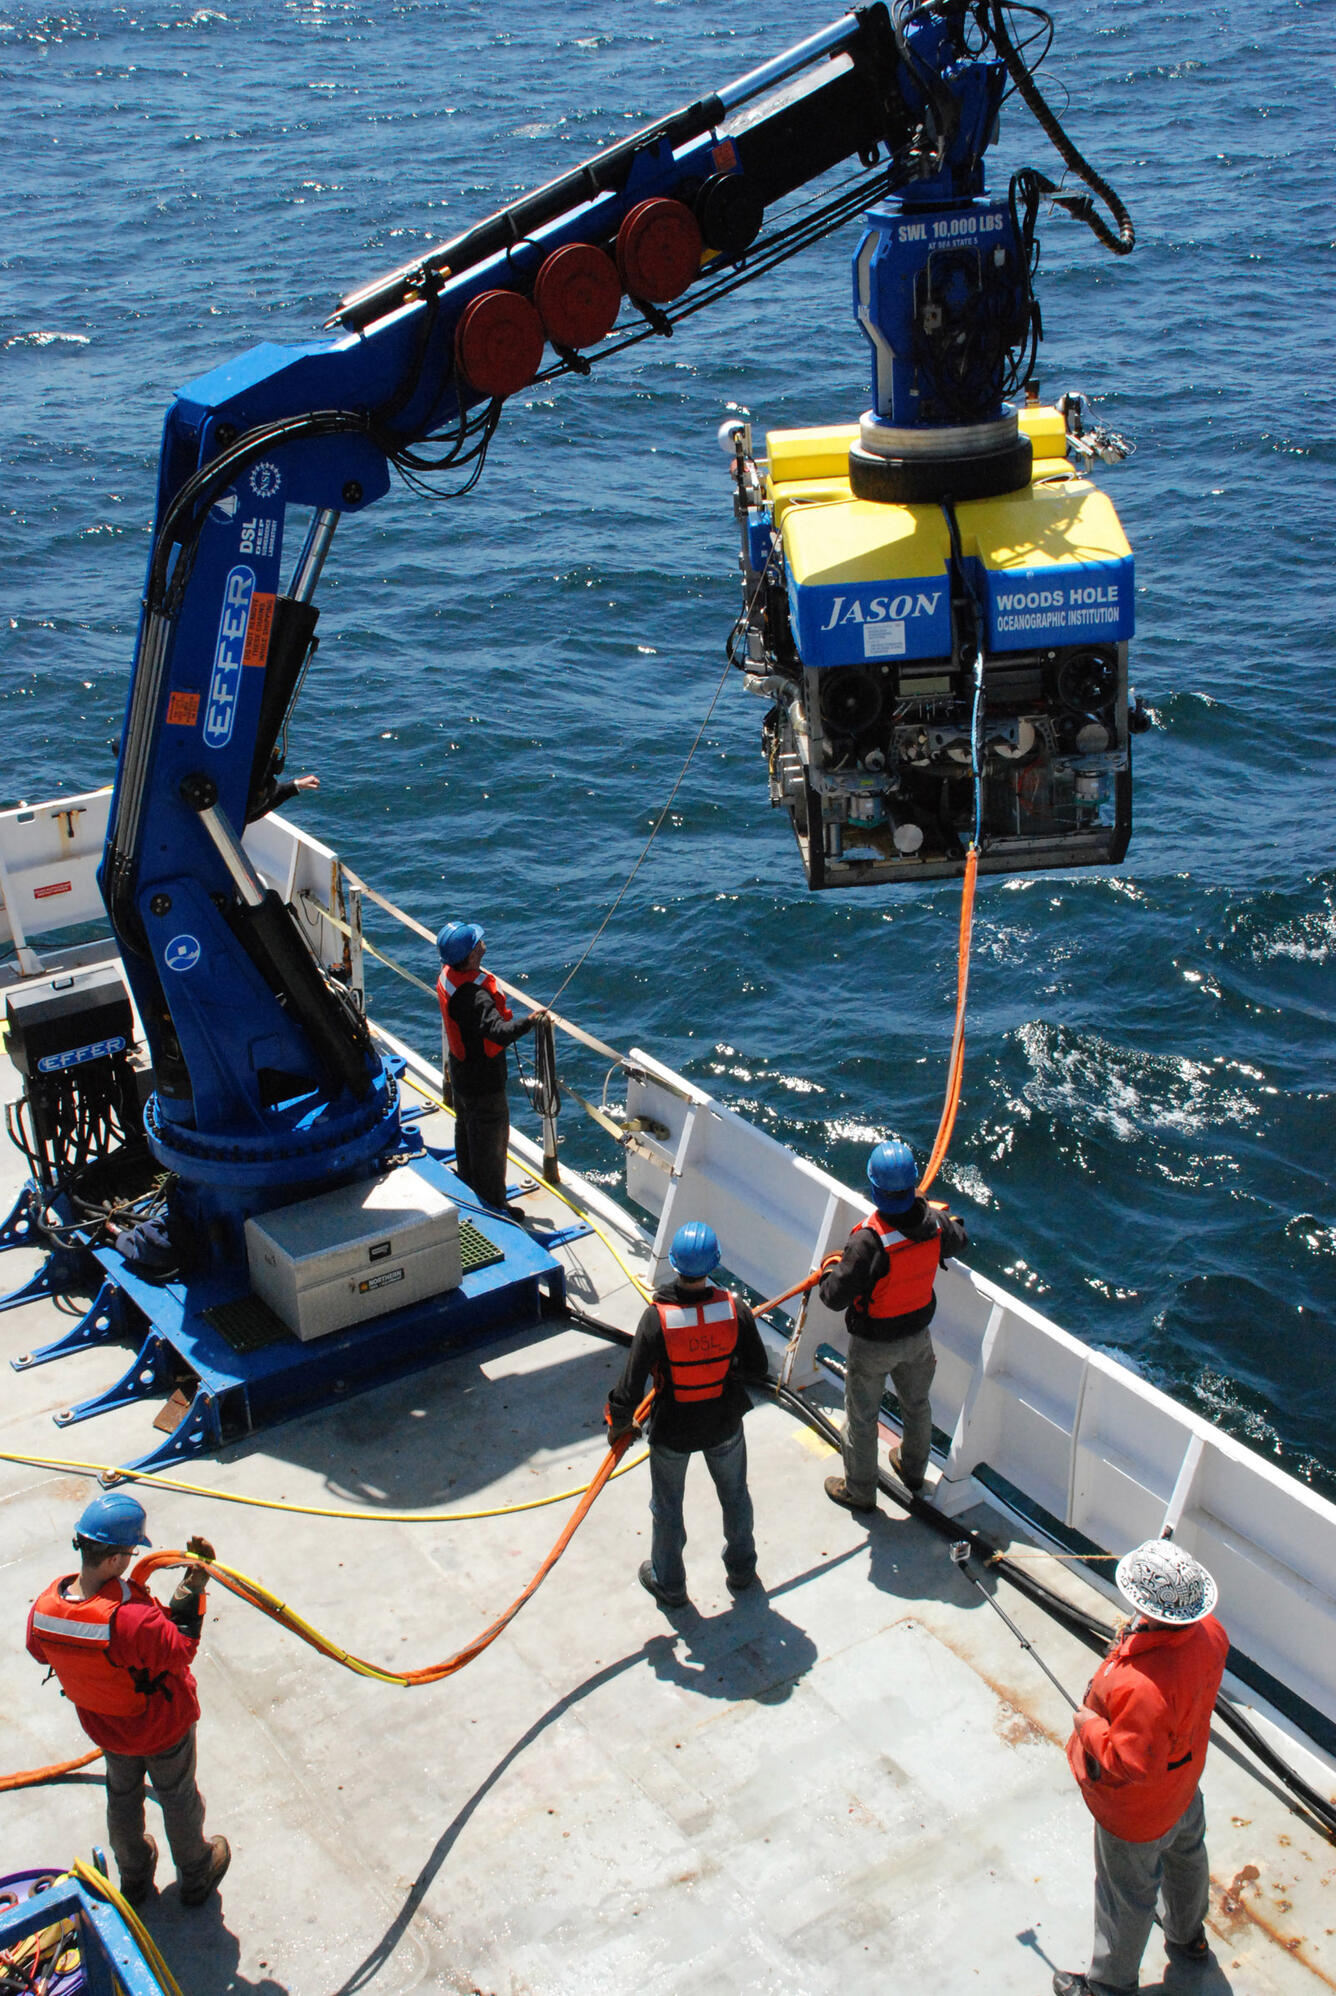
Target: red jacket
(143, 1638)
(1139, 1759)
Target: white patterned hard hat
(1166, 1583)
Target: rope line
(36, 1775)
(259, 1596)
(644, 853)
(256, 1595)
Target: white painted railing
(49, 855)
(1078, 1433)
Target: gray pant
(173, 1776)
(910, 1363)
(482, 1131)
(1130, 1879)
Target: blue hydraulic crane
(267, 1083)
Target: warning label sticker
(182, 710)
(258, 626)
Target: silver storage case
(345, 1257)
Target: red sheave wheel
(578, 295)
(499, 343)
(658, 250)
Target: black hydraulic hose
(612, 1332)
(547, 1089)
(960, 1552)
(1088, 1628)
(1078, 205)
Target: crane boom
(267, 1081)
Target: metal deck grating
(248, 1324)
(476, 1250)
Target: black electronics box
(64, 1022)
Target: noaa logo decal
(182, 953)
(225, 683)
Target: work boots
(650, 1582)
(136, 1885)
(194, 1891)
(912, 1484)
(838, 1492)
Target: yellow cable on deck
(104, 1888)
(419, 1088)
(160, 1482)
(259, 1596)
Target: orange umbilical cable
(258, 1596)
(956, 1068)
(34, 1775)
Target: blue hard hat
(893, 1176)
(114, 1519)
(458, 940)
(695, 1250)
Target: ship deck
(849, 1778)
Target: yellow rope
(147, 1947)
(265, 1598)
(997, 1558)
(159, 1482)
(520, 1164)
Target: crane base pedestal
(233, 1367)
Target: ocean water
(507, 686)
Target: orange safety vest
(700, 1339)
(76, 1635)
(907, 1283)
(454, 979)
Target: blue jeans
(727, 1464)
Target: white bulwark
(1075, 1431)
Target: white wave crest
(48, 340)
(1125, 1090)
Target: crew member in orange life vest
(700, 1344)
(479, 1026)
(1137, 1749)
(884, 1284)
(124, 1664)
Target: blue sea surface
(507, 686)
